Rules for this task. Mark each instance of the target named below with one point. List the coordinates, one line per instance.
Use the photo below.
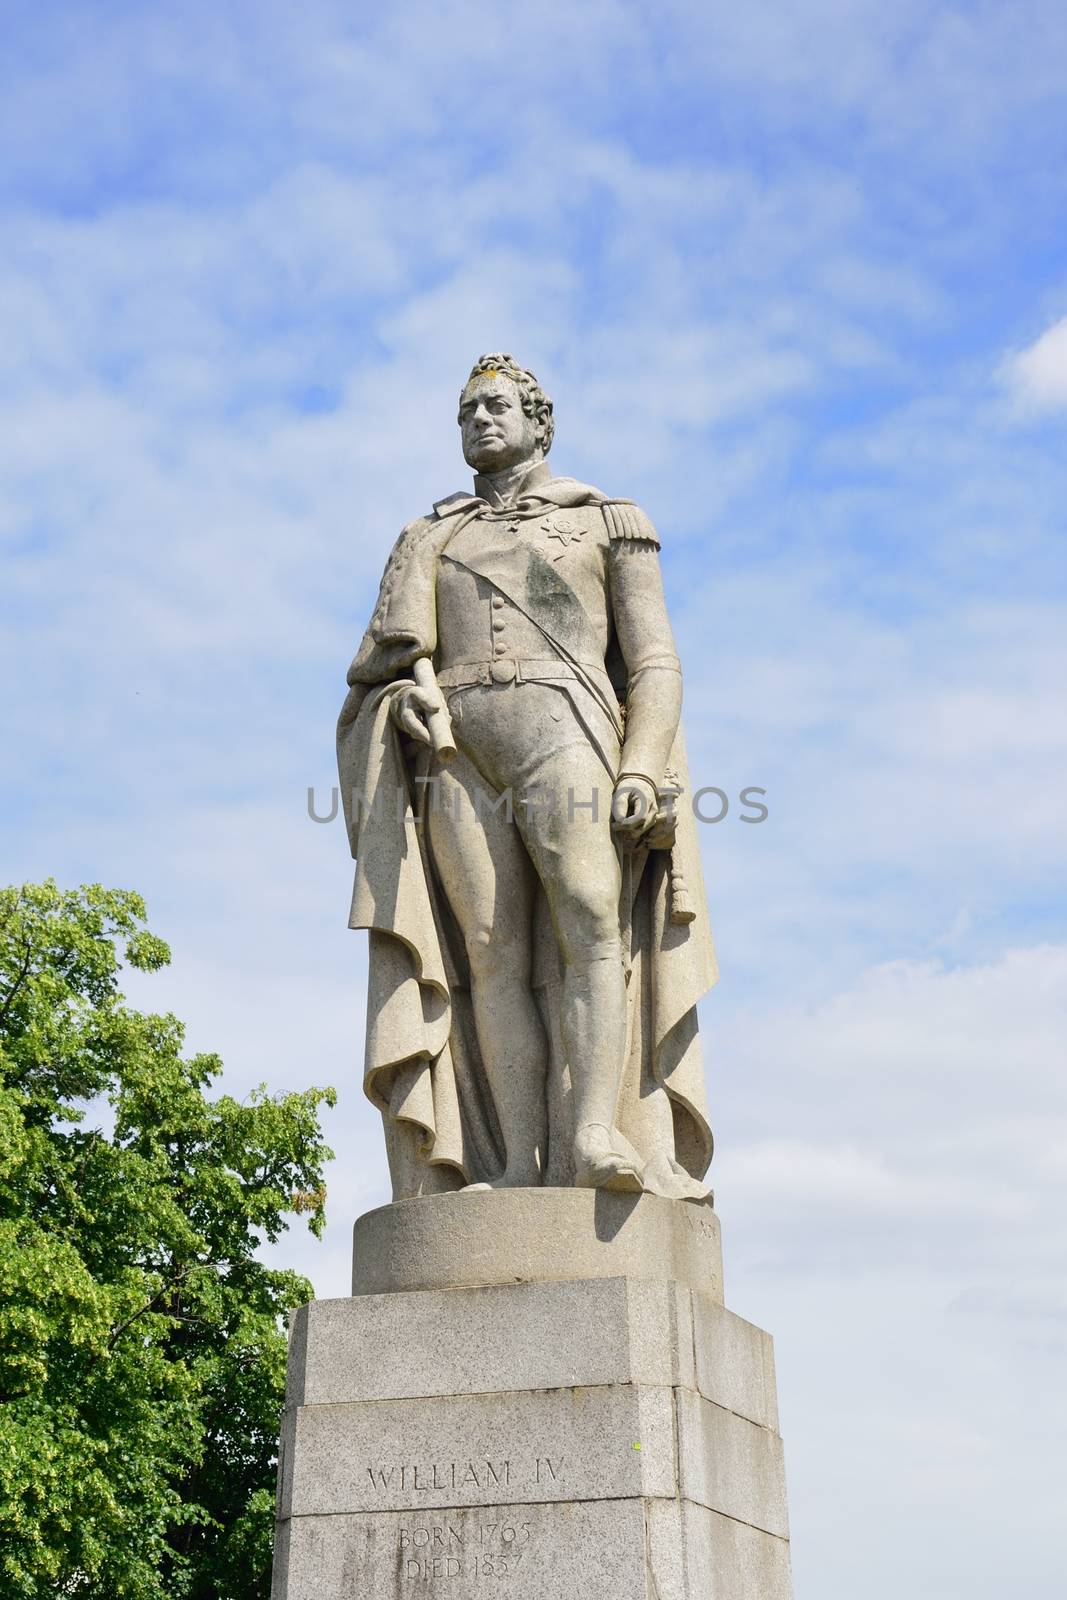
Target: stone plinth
(579, 1417)
(456, 1241)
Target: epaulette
(626, 521)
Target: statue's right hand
(407, 706)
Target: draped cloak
(422, 1065)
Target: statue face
(496, 431)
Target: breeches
(527, 795)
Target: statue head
(504, 415)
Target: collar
(538, 488)
(539, 473)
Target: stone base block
(603, 1437)
(451, 1241)
(570, 1550)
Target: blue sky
(795, 277)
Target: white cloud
(1037, 376)
(892, 1188)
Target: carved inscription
(429, 1477)
(698, 1224)
(422, 1476)
(443, 1550)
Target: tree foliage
(142, 1357)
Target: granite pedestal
(536, 1394)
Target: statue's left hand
(634, 808)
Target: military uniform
(534, 603)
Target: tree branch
(17, 985)
(171, 1283)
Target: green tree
(142, 1357)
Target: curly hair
(535, 402)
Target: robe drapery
(422, 1062)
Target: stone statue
(514, 781)
(536, 1384)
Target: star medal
(561, 530)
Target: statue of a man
(538, 931)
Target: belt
(510, 670)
